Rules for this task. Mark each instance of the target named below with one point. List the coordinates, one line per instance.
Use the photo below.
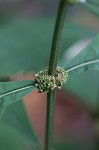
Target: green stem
(57, 36)
(52, 69)
(49, 120)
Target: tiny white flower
(36, 85)
(36, 75)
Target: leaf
(93, 2)
(26, 45)
(87, 59)
(86, 87)
(76, 145)
(11, 92)
(15, 116)
(93, 6)
(10, 139)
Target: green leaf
(93, 2)
(93, 6)
(26, 45)
(86, 87)
(81, 145)
(87, 59)
(11, 92)
(10, 139)
(15, 116)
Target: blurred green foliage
(10, 139)
(25, 46)
(93, 6)
(74, 146)
(15, 117)
(86, 86)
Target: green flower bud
(46, 83)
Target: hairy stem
(52, 69)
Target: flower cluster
(46, 83)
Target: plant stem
(49, 120)
(52, 69)
(57, 36)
